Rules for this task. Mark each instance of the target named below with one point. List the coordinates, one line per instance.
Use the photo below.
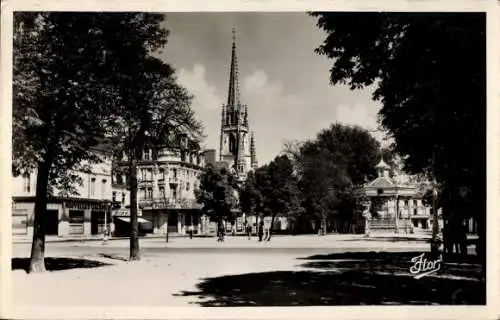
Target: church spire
(233, 96)
(253, 155)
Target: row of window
(114, 197)
(93, 187)
(191, 158)
(92, 191)
(147, 193)
(146, 174)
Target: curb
(48, 240)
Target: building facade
(167, 179)
(83, 214)
(237, 145)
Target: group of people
(455, 237)
(262, 232)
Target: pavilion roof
(381, 182)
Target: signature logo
(423, 267)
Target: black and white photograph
(313, 158)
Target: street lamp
(435, 242)
(106, 232)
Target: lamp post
(106, 232)
(435, 242)
(397, 211)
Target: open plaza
(286, 271)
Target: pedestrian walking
(220, 232)
(190, 231)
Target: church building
(237, 144)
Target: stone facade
(84, 213)
(167, 179)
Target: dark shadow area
(394, 262)
(389, 239)
(58, 264)
(354, 278)
(113, 256)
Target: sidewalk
(51, 239)
(379, 236)
(334, 241)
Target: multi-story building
(82, 214)
(167, 178)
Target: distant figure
(267, 233)
(249, 231)
(261, 230)
(220, 233)
(462, 239)
(448, 239)
(190, 231)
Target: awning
(139, 219)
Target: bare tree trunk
(271, 227)
(323, 225)
(134, 234)
(37, 260)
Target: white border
(378, 312)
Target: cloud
(275, 115)
(258, 83)
(358, 114)
(364, 116)
(206, 103)
(205, 95)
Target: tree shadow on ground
(58, 264)
(390, 239)
(346, 279)
(454, 267)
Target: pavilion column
(367, 217)
(397, 213)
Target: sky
(283, 82)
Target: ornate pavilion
(394, 204)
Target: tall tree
(217, 193)
(250, 198)
(156, 113)
(412, 62)
(339, 159)
(63, 97)
(278, 185)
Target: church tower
(236, 149)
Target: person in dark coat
(249, 231)
(261, 229)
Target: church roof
(233, 96)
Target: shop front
(122, 223)
(65, 217)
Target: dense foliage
(77, 79)
(217, 193)
(340, 159)
(272, 190)
(429, 73)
